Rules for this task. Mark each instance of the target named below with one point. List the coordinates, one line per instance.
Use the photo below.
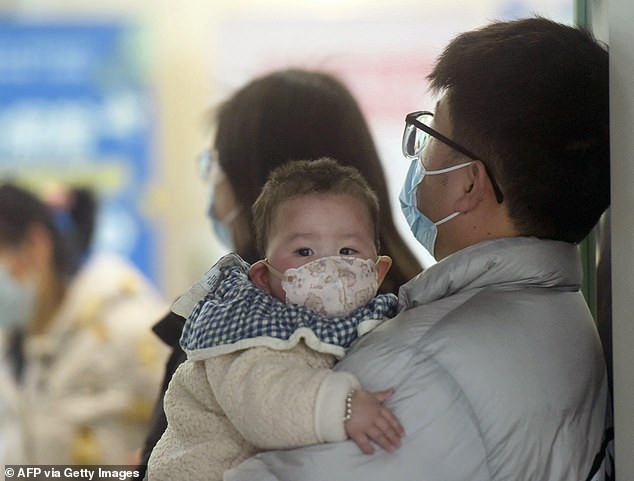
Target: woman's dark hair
(19, 211)
(530, 97)
(70, 227)
(82, 210)
(302, 115)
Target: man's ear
(383, 265)
(259, 274)
(476, 186)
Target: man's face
(436, 193)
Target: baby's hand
(371, 421)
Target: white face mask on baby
(330, 286)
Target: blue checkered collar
(235, 314)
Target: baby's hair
(302, 177)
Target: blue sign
(75, 109)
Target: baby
(262, 338)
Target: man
(495, 360)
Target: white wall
(621, 35)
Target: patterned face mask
(330, 286)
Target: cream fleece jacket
(264, 399)
(229, 401)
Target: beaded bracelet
(348, 413)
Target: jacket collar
(513, 262)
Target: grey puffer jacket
(498, 371)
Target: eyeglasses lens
(208, 167)
(204, 164)
(415, 139)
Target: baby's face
(318, 225)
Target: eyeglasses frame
(204, 160)
(412, 119)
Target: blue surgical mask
(213, 173)
(17, 300)
(221, 227)
(422, 227)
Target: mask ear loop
(273, 270)
(231, 216)
(446, 219)
(380, 275)
(383, 259)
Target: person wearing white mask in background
(262, 340)
(79, 366)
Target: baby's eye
(348, 251)
(305, 252)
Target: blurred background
(116, 96)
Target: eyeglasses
(416, 138)
(207, 162)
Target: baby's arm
(284, 399)
(270, 396)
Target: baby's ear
(383, 265)
(259, 274)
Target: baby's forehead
(341, 237)
(323, 212)
(345, 200)
(323, 204)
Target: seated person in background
(262, 340)
(80, 366)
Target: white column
(621, 15)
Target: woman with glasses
(285, 115)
